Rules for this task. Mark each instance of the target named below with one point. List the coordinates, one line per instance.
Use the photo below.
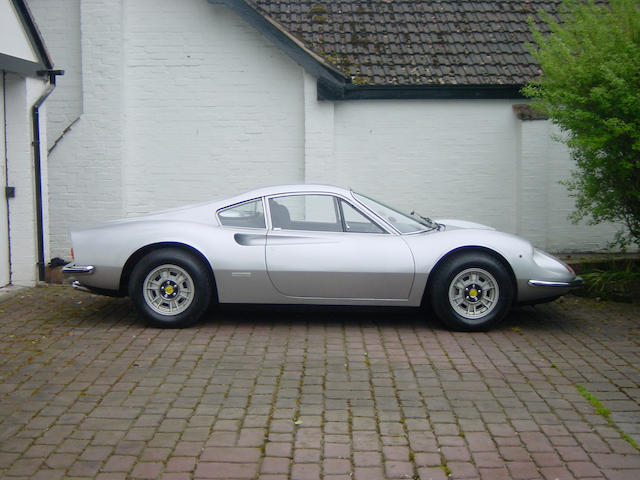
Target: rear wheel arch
(142, 252)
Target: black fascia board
(20, 66)
(34, 34)
(413, 92)
(332, 78)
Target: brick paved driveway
(86, 391)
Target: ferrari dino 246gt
(313, 244)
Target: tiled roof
(414, 42)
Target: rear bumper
(576, 283)
(98, 291)
(78, 286)
(73, 269)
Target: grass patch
(595, 403)
(610, 279)
(599, 281)
(606, 413)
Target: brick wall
(183, 102)
(5, 260)
(59, 23)
(473, 160)
(544, 203)
(211, 108)
(441, 158)
(20, 94)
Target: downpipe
(37, 161)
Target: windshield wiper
(429, 223)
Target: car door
(320, 246)
(239, 263)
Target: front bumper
(575, 283)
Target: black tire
(471, 292)
(171, 288)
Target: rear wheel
(471, 291)
(171, 288)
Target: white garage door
(4, 222)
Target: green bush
(590, 87)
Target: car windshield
(401, 221)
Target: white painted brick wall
(472, 160)
(441, 158)
(183, 101)
(5, 260)
(319, 137)
(544, 202)
(211, 107)
(86, 167)
(59, 23)
(21, 94)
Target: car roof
(285, 189)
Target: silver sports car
(312, 244)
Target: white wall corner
(319, 138)
(85, 168)
(533, 178)
(21, 94)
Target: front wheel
(171, 288)
(471, 292)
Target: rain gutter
(37, 161)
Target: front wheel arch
(140, 253)
(460, 251)
(471, 291)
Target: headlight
(547, 261)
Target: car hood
(454, 224)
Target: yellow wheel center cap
(473, 293)
(168, 289)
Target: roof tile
(417, 42)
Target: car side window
(249, 214)
(356, 222)
(305, 212)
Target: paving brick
(488, 460)
(306, 455)
(308, 471)
(273, 465)
(434, 473)
(226, 470)
(336, 466)
(119, 463)
(230, 454)
(369, 473)
(337, 450)
(522, 470)
(138, 402)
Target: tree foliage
(590, 87)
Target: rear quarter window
(248, 215)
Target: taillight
(72, 256)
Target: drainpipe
(37, 161)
